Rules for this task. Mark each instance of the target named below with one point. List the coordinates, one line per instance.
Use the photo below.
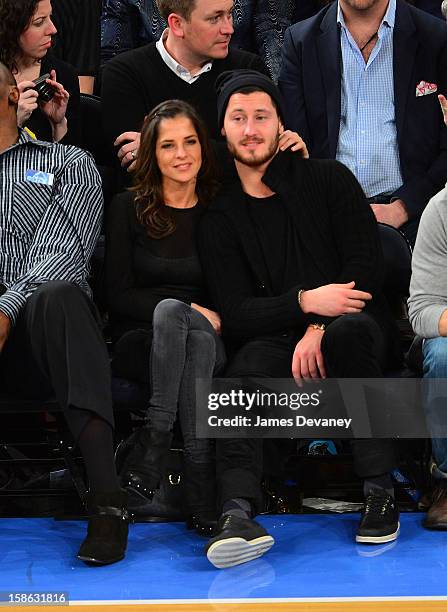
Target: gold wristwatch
(320, 326)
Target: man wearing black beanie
(292, 257)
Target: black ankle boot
(200, 491)
(107, 530)
(140, 460)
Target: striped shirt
(367, 141)
(48, 229)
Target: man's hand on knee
(308, 359)
(5, 328)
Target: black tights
(96, 445)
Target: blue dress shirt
(367, 141)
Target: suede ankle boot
(141, 460)
(107, 530)
(200, 492)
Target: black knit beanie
(232, 81)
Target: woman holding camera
(49, 109)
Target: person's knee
(169, 310)
(52, 293)
(346, 332)
(434, 353)
(63, 308)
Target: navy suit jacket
(310, 81)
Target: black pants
(56, 349)
(353, 346)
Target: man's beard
(249, 158)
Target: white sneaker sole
(378, 539)
(234, 551)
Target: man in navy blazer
(360, 81)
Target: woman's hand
(294, 142)
(212, 316)
(56, 108)
(27, 102)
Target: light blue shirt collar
(388, 19)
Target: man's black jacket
(335, 225)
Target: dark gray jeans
(184, 347)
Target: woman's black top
(141, 271)
(38, 122)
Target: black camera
(45, 91)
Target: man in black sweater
(292, 257)
(183, 64)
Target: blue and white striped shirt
(47, 232)
(367, 141)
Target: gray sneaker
(238, 540)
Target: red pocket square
(424, 88)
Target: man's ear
(176, 25)
(14, 95)
(222, 131)
(281, 127)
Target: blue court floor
(314, 556)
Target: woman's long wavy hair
(148, 181)
(15, 17)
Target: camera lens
(45, 91)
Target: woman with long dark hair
(26, 32)
(158, 302)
